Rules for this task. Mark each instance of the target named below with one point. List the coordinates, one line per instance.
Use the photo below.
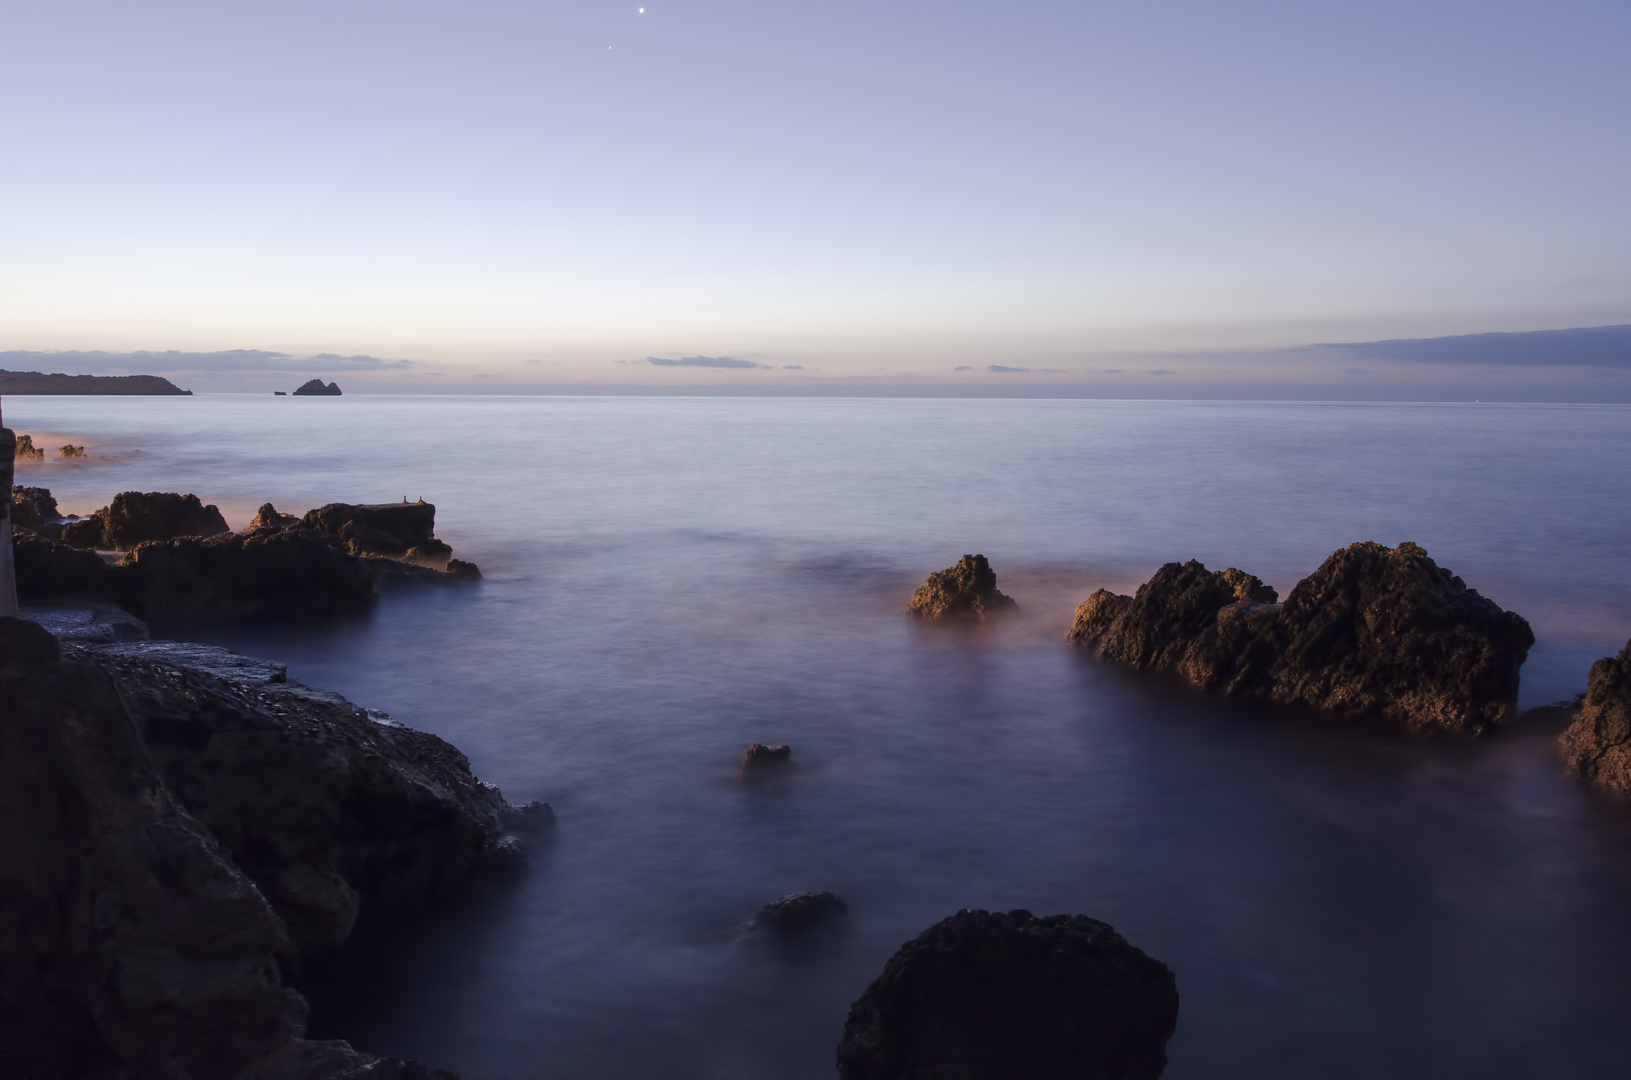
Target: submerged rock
(798, 912)
(316, 388)
(1374, 631)
(137, 517)
(996, 996)
(1597, 745)
(967, 590)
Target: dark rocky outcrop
(1597, 745)
(27, 449)
(47, 568)
(281, 574)
(996, 996)
(316, 388)
(267, 517)
(69, 450)
(174, 822)
(966, 591)
(33, 382)
(32, 507)
(137, 517)
(1374, 631)
(463, 571)
(763, 762)
(800, 912)
(389, 529)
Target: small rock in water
(998, 996)
(761, 760)
(966, 591)
(798, 912)
(1597, 745)
(462, 570)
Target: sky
(1109, 196)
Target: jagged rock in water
(966, 591)
(998, 996)
(267, 517)
(27, 449)
(136, 517)
(289, 573)
(1597, 745)
(1374, 631)
(463, 571)
(316, 388)
(33, 507)
(798, 912)
(389, 529)
(69, 450)
(761, 762)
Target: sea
(667, 580)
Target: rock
(315, 388)
(279, 393)
(46, 568)
(993, 996)
(799, 912)
(130, 945)
(1374, 631)
(69, 450)
(32, 507)
(463, 571)
(27, 449)
(135, 517)
(966, 591)
(336, 1060)
(1597, 745)
(283, 574)
(389, 529)
(761, 761)
(336, 817)
(92, 624)
(267, 517)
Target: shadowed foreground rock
(1374, 631)
(1597, 745)
(966, 591)
(173, 821)
(1000, 996)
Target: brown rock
(388, 529)
(136, 517)
(1597, 745)
(999, 996)
(966, 591)
(27, 449)
(762, 761)
(1374, 631)
(267, 517)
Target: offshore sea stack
(994, 996)
(1375, 631)
(1597, 745)
(174, 824)
(965, 592)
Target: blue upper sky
(874, 192)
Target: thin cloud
(792, 367)
(702, 361)
(1003, 369)
(1160, 371)
(1587, 346)
(964, 367)
(97, 361)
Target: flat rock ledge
(177, 824)
(1375, 631)
(1597, 745)
(964, 592)
(1000, 995)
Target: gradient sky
(553, 192)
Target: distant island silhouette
(33, 382)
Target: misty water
(669, 580)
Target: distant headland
(33, 382)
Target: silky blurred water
(668, 580)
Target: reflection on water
(670, 580)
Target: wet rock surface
(966, 591)
(995, 996)
(1375, 631)
(1597, 745)
(798, 913)
(175, 820)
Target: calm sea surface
(668, 580)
